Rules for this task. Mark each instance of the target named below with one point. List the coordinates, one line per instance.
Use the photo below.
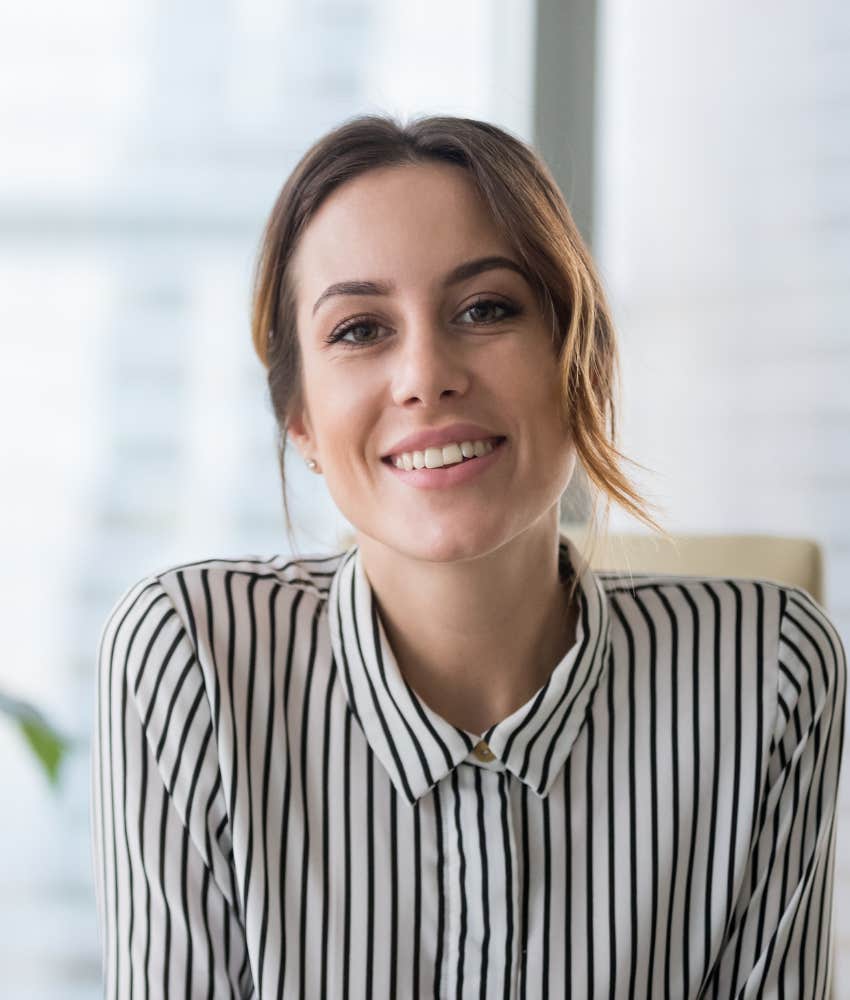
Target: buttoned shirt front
(276, 812)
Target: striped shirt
(276, 813)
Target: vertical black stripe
(287, 789)
(633, 847)
(304, 729)
(674, 766)
(143, 756)
(205, 892)
(485, 888)
(248, 730)
(715, 785)
(653, 792)
(267, 764)
(346, 812)
(568, 879)
(589, 859)
(696, 677)
(736, 781)
(417, 894)
(757, 768)
(231, 666)
(166, 963)
(326, 828)
(547, 895)
(612, 838)
(370, 872)
(504, 787)
(526, 886)
(393, 889)
(461, 947)
(441, 890)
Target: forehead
(408, 223)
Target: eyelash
(366, 321)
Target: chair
(794, 561)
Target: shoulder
(219, 580)
(189, 597)
(812, 657)
(798, 617)
(781, 624)
(744, 614)
(759, 601)
(309, 573)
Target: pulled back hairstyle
(529, 209)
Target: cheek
(349, 412)
(542, 401)
(342, 401)
(533, 380)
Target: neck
(476, 638)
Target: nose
(428, 367)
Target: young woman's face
(423, 335)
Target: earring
(312, 464)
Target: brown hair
(529, 209)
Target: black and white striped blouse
(276, 813)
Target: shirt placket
(471, 951)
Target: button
(483, 752)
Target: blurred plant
(49, 745)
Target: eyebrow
(469, 269)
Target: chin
(446, 543)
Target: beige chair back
(794, 561)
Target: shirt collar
(418, 747)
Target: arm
(165, 888)
(780, 934)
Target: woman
(453, 760)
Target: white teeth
(436, 458)
(452, 454)
(433, 458)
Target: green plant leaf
(49, 746)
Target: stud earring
(312, 464)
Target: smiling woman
(453, 760)
(457, 225)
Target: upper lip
(434, 437)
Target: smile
(448, 454)
(449, 465)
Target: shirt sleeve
(780, 937)
(162, 861)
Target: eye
(487, 307)
(362, 330)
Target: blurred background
(705, 153)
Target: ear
(299, 429)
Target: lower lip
(448, 475)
